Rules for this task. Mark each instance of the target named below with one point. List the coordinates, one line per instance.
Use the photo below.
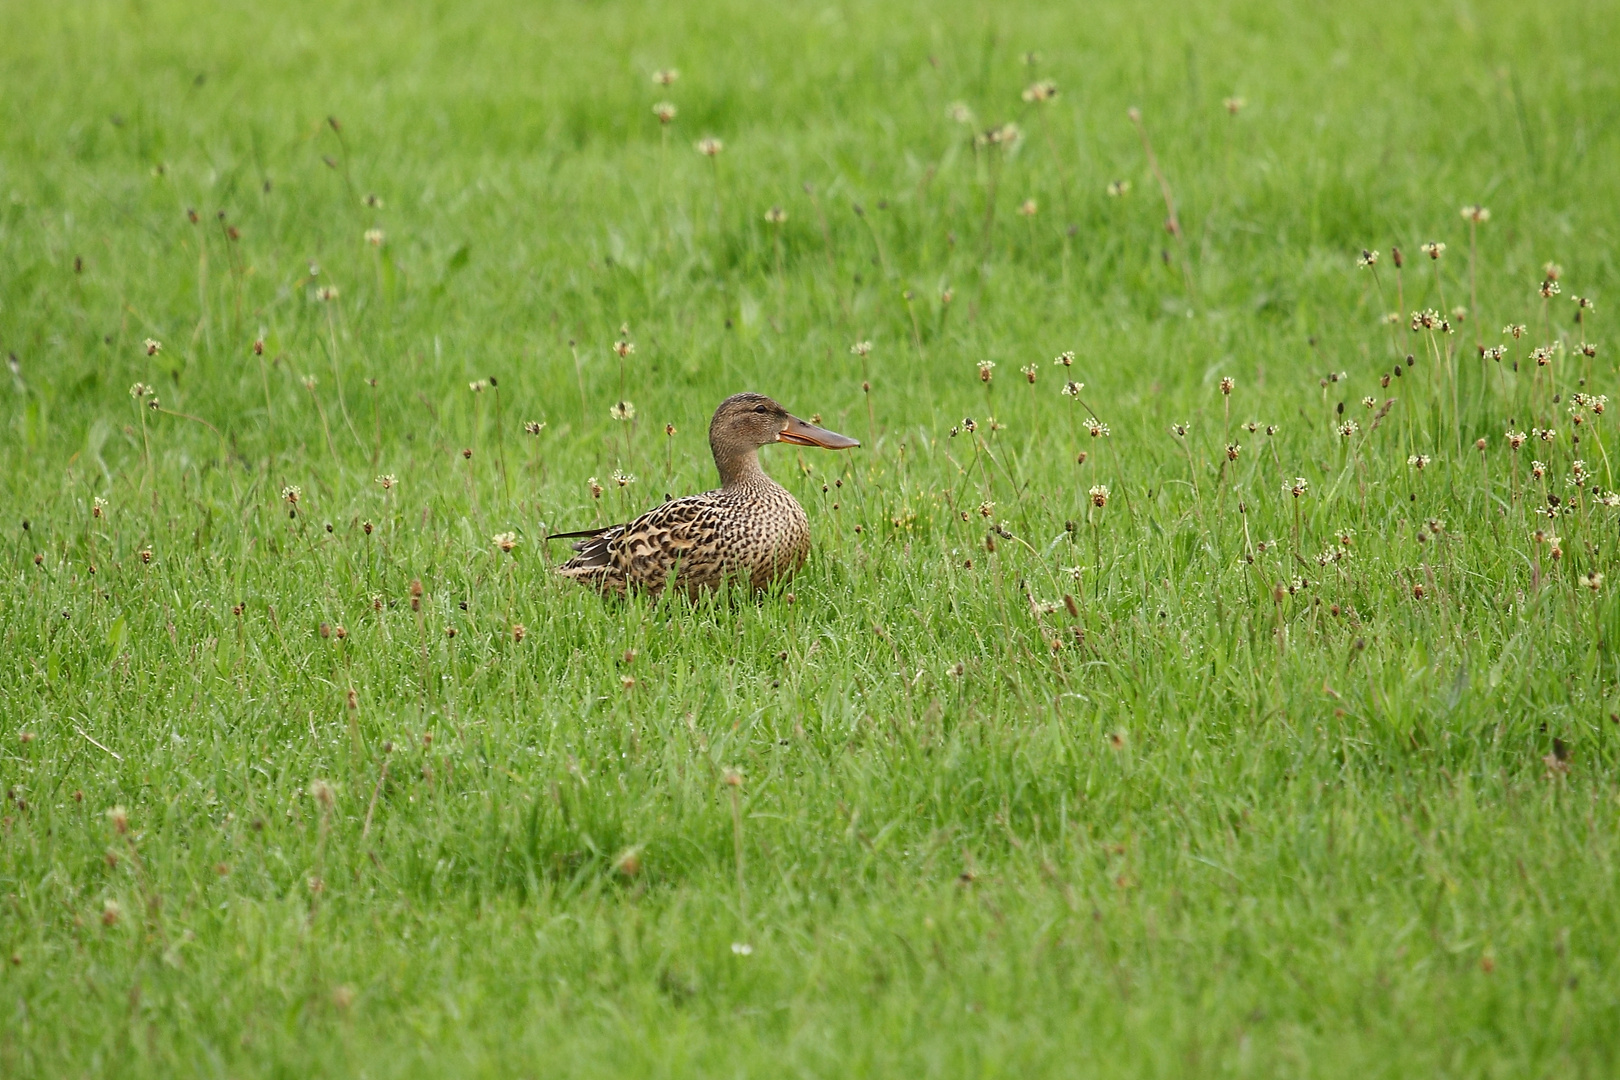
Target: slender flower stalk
(1172, 221)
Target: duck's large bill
(797, 431)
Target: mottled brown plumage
(747, 530)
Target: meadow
(1205, 667)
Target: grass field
(1103, 735)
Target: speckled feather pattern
(754, 531)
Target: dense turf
(1212, 778)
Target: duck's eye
(760, 408)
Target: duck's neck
(738, 466)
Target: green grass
(1204, 824)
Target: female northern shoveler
(749, 529)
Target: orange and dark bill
(797, 431)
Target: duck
(749, 531)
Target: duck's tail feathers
(592, 546)
(581, 532)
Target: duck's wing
(677, 537)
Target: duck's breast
(772, 536)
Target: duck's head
(745, 422)
(754, 420)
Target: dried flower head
(388, 481)
(326, 293)
(1434, 249)
(375, 237)
(118, 817)
(1042, 91)
(323, 794)
(861, 348)
(292, 493)
(958, 112)
(985, 369)
(152, 346)
(506, 541)
(1099, 495)
(1299, 487)
(1427, 319)
(1117, 188)
(1419, 461)
(1476, 214)
(1369, 257)
(1551, 271)
(709, 146)
(1072, 389)
(1030, 371)
(1179, 430)
(623, 479)
(1593, 580)
(1348, 428)
(623, 411)
(1065, 358)
(665, 76)
(1233, 105)
(595, 488)
(140, 390)
(1096, 428)
(1515, 330)
(1227, 385)
(1549, 288)
(533, 427)
(776, 215)
(1233, 450)
(665, 111)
